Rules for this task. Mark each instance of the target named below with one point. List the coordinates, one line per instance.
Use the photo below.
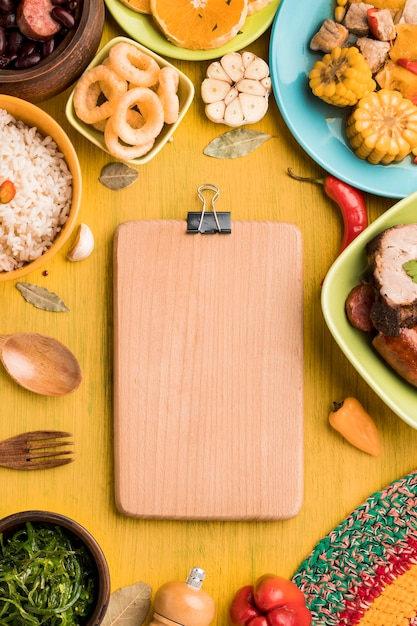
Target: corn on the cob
(342, 77)
(382, 128)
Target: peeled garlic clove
(248, 85)
(232, 65)
(215, 70)
(213, 90)
(83, 245)
(257, 70)
(253, 107)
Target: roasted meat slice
(409, 12)
(400, 352)
(395, 306)
(329, 36)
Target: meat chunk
(375, 52)
(395, 306)
(330, 35)
(356, 18)
(409, 13)
(400, 352)
(34, 19)
(381, 24)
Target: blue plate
(318, 127)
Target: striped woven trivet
(365, 571)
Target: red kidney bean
(59, 3)
(7, 6)
(25, 63)
(28, 49)
(73, 5)
(48, 47)
(15, 41)
(3, 41)
(8, 20)
(63, 16)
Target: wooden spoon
(40, 363)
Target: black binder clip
(208, 223)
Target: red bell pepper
(409, 65)
(373, 21)
(271, 601)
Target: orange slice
(256, 5)
(199, 24)
(140, 6)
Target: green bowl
(344, 274)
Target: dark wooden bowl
(65, 65)
(12, 523)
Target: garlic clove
(253, 107)
(215, 70)
(233, 93)
(215, 111)
(233, 115)
(266, 83)
(257, 70)
(213, 90)
(232, 65)
(83, 245)
(247, 58)
(254, 87)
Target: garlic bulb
(83, 245)
(236, 89)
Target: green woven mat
(375, 544)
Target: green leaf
(128, 605)
(235, 143)
(411, 269)
(41, 298)
(118, 176)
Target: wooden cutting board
(208, 371)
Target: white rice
(30, 222)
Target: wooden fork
(37, 449)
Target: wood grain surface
(208, 371)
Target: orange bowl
(32, 115)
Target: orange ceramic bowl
(32, 115)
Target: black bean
(59, 3)
(7, 6)
(63, 16)
(25, 63)
(3, 41)
(73, 5)
(4, 61)
(15, 41)
(28, 48)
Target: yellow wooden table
(338, 477)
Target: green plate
(143, 29)
(344, 274)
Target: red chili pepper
(409, 65)
(351, 202)
(373, 21)
(271, 601)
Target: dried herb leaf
(411, 269)
(118, 176)
(41, 298)
(128, 605)
(235, 143)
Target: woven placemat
(365, 571)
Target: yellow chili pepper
(351, 420)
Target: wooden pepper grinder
(184, 603)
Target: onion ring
(121, 151)
(167, 92)
(87, 111)
(134, 65)
(150, 107)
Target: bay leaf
(235, 143)
(118, 176)
(41, 298)
(128, 605)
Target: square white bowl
(185, 95)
